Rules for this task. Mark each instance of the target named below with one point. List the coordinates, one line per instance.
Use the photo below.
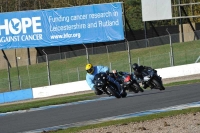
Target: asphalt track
(101, 107)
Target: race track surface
(102, 107)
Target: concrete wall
(178, 71)
(60, 89)
(16, 95)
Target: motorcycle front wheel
(124, 94)
(137, 86)
(111, 90)
(158, 85)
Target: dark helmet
(135, 66)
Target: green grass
(40, 103)
(182, 82)
(72, 69)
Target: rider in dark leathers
(117, 75)
(138, 73)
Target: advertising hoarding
(61, 26)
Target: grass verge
(40, 103)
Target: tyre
(98, 92)
(134, 89)
(163, 88)
(124, 94)
(137, 87)
(157, 84)
(113, 91)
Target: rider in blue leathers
(92, 71)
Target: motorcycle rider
(138, 73)
(117, 75)
(92, 71)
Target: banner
(61, 26)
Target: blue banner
(61, 26)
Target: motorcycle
(130, 83)
(152, 79)
(100, 80)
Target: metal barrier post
(78, 73)
(129, 55)
(48, 71)
(108, 53)
(197, 59)
(19, 79)
(171, 49)
(8, 69)
(87, 55)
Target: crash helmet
(135, 66)
(89, 68)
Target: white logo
(16, 26)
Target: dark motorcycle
(152, 79)
(130, 83)
(100, 80)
